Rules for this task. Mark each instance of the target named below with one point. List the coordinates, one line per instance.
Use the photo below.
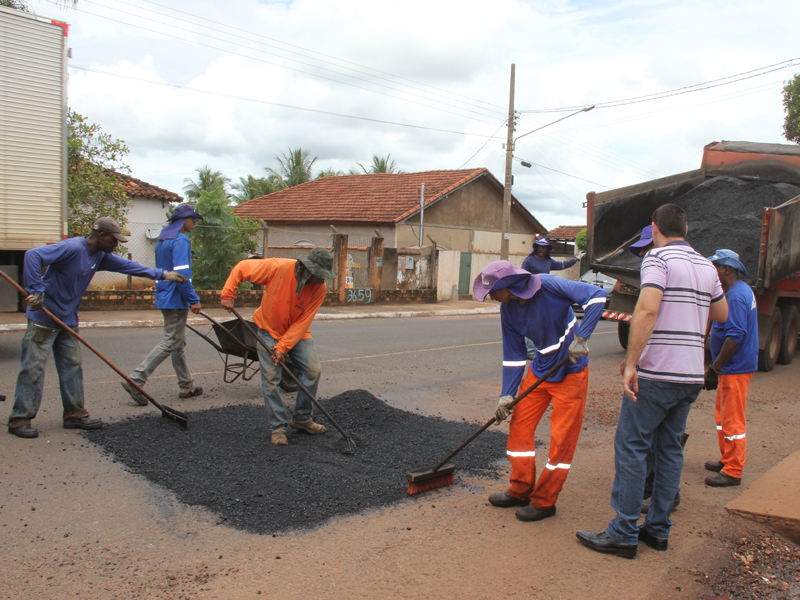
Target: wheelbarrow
(238, 349)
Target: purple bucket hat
(501, 274)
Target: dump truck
(746, 197)
(33, 139)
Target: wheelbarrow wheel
(287, 384)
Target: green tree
(580, 240)
(219, 241)
(791, 104)
(293, 168)
(329, 173)
(15, 4)
(251, 187)
(207, 181)
(381, 165)
(94, 188)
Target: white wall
(448, 263)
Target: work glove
(580, 255)
(711, 379)
(34, 301)
(579, 347)
(504, 409)
(173, 276)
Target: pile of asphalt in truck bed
(225, 462)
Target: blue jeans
(173, 345)
(655, 422)
(304, 357)
(36, 345)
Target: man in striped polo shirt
(662, 375)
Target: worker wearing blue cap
(173, 253)
(539, 261)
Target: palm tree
(252, 187)
(381, 165)
(293, 168)
(207, 181)
(329, 173)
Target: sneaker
(279, 438)
(83, 423)
(722, 480)
(24, 431)
(198, 391)
(308, 426)
(134, 393)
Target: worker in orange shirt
(293, 292)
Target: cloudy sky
(187, 83)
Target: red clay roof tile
(566, 232)
(136, 188)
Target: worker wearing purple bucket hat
(645, 242)
(539, 307)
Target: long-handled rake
(350, 444)
(179, 417)
(442, 475)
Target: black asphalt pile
(224, 461)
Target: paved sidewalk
(152, 318)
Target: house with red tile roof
(462, 210)
(566, 233)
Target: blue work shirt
(175, 255)
(534, 265)
(70, 268)
(741, 327)
(547, 319)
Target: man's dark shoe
(714, 465)
(530, 513)
(198, 391)
(722, 480)
(655, 543)
(134, 393)
(506, 500)
(602, 542)
(83, 423)
(646, 503)
(24, 431)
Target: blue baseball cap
(728, 258)
(644, 240)
(542, 241)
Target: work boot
(531, 513)
(506, 500)
(24, 431)
(308, 426)
(134, 393)
(722, 480)
(198, 391)
(714, 465)
(279, 438)
(82, 423)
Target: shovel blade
(179, 417)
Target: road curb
(489, 310)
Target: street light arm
(583, 110)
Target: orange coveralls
(731, 424)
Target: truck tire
(623, 329)
(769, 355)
(789, 334)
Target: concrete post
(376, 265)
(340, 256)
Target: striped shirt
(690, 284)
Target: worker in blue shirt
(70, 265)
(734, 351)
(539, 307)
(174, 253)
(539, 261)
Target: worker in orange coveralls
(539, 307)
(734, 350)
(293, 292)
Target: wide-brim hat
(728, 258)
(185, 211)
(320, 262)
(501, 274)
(644, 240)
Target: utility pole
(504, 242)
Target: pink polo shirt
(690, 284)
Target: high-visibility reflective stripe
(735, 437)
(181, 267)
(514, 363)
(531, 453)
(561, 340)
(558, 466)
(719, 427)
(594, 301)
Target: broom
(442, 475)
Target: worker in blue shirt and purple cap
(539, 261)
(173, 253)
(70, 266)
(539, 307)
